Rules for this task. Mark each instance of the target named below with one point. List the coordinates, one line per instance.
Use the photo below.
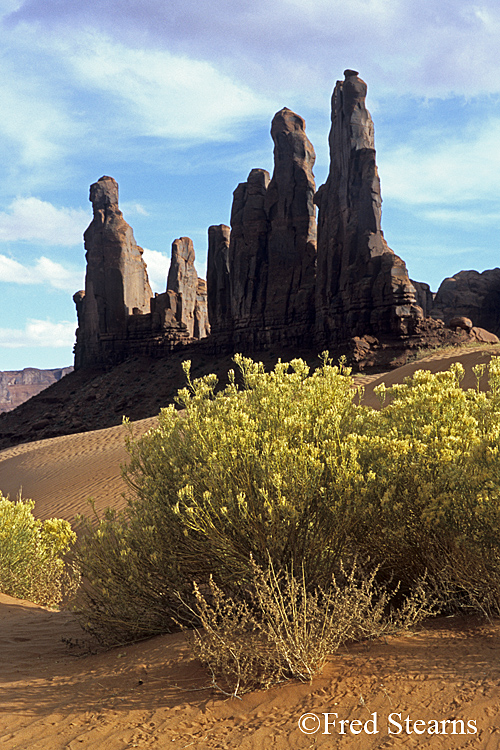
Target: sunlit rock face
(117, 314)
(184, 281)
(362, 287)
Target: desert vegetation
(280, 517)
(32, 554)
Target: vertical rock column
(362, 287)
(292, 230)
(218, 279)
(116, 282)
(191, 291)
(261, 288)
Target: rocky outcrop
(291, 272)
(118, 316)
(248, 253)
(18, 386)
(278, 280)
(261, 284)
(425, 298)
(473, 295)
(362, 287)
(201, 322)
(191, 291)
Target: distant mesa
(279, 277)
(17, 386)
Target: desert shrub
(430, 460)
(32, 554)
(254, 472)
(280, 630)
(131, 577)
(289, 471)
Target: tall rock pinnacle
(116, 278)
(292, 224)
(184, 281)
(116, 282)
(362, 287)
(265, 291)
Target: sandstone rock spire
(362, 287)
(183, 280)
(116, 282)
(292, 228)
(266, 286)
(218, 278)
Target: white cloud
(163, 94)
(444, 167)
(158, 265)
(465, 217)
(432, 47)
(37, 220)
(44, 271)
(129, 207)
(37, 333)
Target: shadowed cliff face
(362, 287)
(261, 281)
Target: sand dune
(61, 473)
(57, 690)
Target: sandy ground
(57, 690)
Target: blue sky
(175, 102)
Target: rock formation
(424, 295)
(362, 287)
(261, 284)
(276, 279)
(292, 228)
(117, 314)
(116, 281)
(473, 295)
(218, 279)
(183, 280)
(17, 386)
(201, 327)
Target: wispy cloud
(129, 207)
(432, 47)
(37, 220)
(37, 333)
(442, 167)
(467, 217)
(44, 271)
(165, 95)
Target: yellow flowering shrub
(31, 553)
(285, 468)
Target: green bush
(31, 553)
(289, 471)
